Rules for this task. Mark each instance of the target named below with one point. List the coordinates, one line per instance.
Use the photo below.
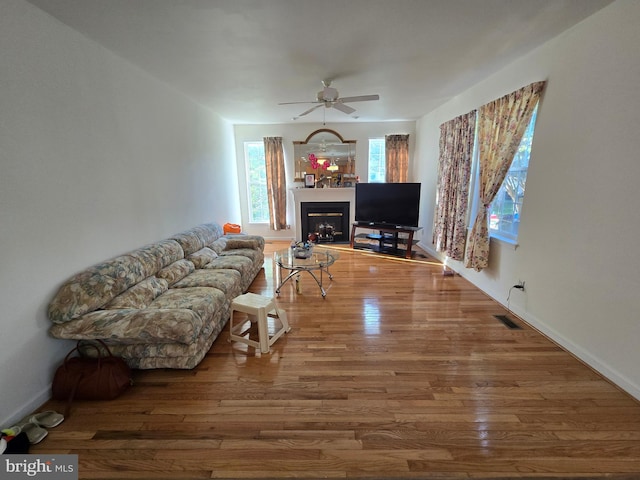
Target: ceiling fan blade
(360, 98)
(295, 103)
(308, 111)
(343, 108)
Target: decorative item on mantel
(317, 163)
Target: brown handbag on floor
(103, 377)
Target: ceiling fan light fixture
(330, 98)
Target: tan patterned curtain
(501, 125)
(454, 173)
(397, 158)
(276, 182)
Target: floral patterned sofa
(162, 305)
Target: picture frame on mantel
(310, 180)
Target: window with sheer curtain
(506, 207)
(501, 128)
(276, 182)
(501, 141)
(256, 182)
(377, 164)
(397, 158)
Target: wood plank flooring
(400, 372)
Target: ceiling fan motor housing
(328, 94)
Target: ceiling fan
(329, 98)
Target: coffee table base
(295, 273)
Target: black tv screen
(388, 204)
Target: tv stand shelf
(388, 238)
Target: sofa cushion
(202, 257)
(190, 241)
(202, 300)
(235, 262)
(140, 295)
(227, 280)
(94, 287)
(166, 355)
(131, 326)
(176, 271)
(218, 245)
(208, 232)
(256, 256)
(198, 237)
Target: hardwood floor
(400, 372)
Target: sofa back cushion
(140, 295)
(95, 287)
(189, 241)
(210, 232)
(156, 256)
(198, 237)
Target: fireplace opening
(326, 221)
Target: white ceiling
(242, 57)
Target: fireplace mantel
(347, 194)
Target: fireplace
(329, 221)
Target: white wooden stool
(260, 308)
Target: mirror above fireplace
(328, 156)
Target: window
(256, 182)
(377, 162)
(504, 216)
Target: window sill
(509, 242)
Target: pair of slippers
(35, 426)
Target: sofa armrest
(231, 242)
(129, 326)
(256, 241)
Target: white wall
(96, 158)
(580, 218)
(361, 132)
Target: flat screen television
(388, 204)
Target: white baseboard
(580, 353)
(33, 405)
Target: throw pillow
(202, 257)
(176, 271)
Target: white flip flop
(48, 419)
(34, 433)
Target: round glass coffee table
(319, 260)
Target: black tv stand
(389, 240)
